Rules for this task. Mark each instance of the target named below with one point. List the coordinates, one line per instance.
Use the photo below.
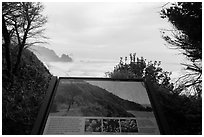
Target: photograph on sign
(93, 106)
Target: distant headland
(48, 55)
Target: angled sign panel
(100, 106)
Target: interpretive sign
(100, 106)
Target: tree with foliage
(22, 25)
(23, 91)
(6, 45)
(139, 68)
(186, 18)
(7, 34)
(71, 95)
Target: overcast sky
(107, 31)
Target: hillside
(23, 94)
(93, 101)
(48, 55)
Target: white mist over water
(91, 68)
(81, 68)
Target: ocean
(94, 68)
(81, 68)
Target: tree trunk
(6, 37)
(71, 101)
(69, 107)
(20, 50)
(21, 46)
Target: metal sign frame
(48, 100)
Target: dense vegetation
(23, 94)
(183, 113)
(24, 78)
(186, 36)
